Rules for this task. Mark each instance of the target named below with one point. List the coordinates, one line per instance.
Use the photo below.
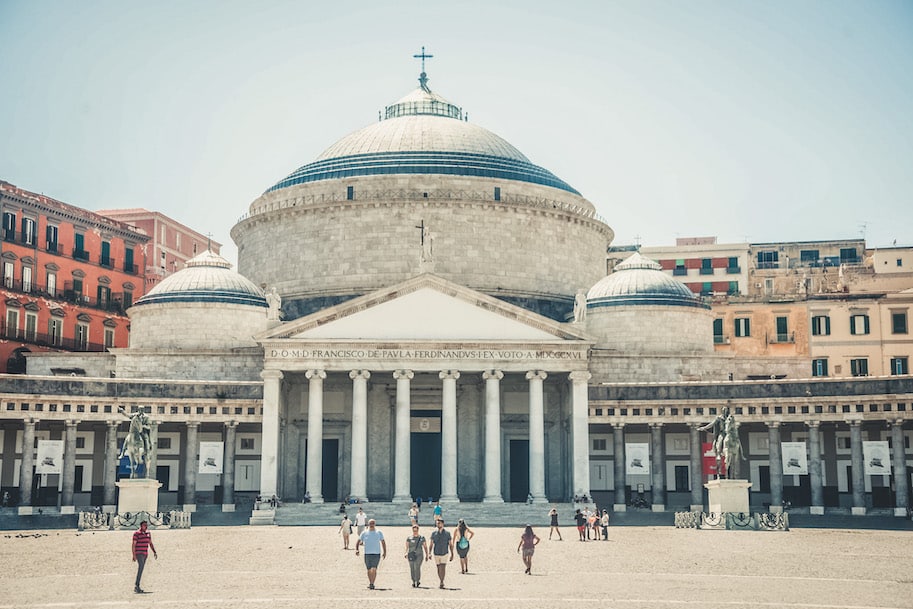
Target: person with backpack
(461, 535)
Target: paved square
(286, 567)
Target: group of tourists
(591, 524)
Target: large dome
(206, 278)
(422, 133)
(640, 281)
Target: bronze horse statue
(138, 443)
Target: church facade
(422, 311)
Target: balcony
(733, 270)
(706, 271)
(131, 268)
(80, 255)
(49, 340)
(107, 262)
(679, 271)
(781, 338)
(9, 234)
(53, 248)
(112, 304)
(719, 339)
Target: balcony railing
(108, 263)
(781, 337)
(678, 271)
(719, 339)
(48, 340)
(706, 271)
(733, 270)
(80, 255)
(112, 304)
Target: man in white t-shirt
(375, 549)
(361, 519)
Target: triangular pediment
(425, 308)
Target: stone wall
(652, 329)
(611, 367)
(195, 325)
(96, 365)
(311, 248)
(181, 364)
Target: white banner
(50, 457)
(637, 459)
(795, 459)
(876, 459)
(211, 457)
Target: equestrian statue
(727, 447)
(138, 443)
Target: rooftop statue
(275, 305)
(580, 306)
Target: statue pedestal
(138, 495)
(728, 496)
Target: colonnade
(402, 431)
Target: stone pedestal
(728, 496)
(816, 510)
(228, 507)
(138, 495)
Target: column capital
(231, 424)
(192, 423)
(772, 424)
(112, 423)
(618, 426)
(536, 374)
(656, 425)
(359, 374)
(579, 376)
(447, 375)
(316, 374)
(271, 374)
(492, 375)
(30, 421)
(854, 422)
(813, 424)
(897, 422)
(403, 374)
(72, 422)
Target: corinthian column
(618, 442)
(69, 468)
(26, 473)
(536, 436)
(493, 436)
(858, 468)
(269, 455)
(402, 461)
(359, 482)
(581, 431)
(449, 436)
(228, 467)
(901, 480)
(110, 470)
(191, 458)
(315, 434)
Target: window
(900, 262)
(128, 299)
(497, 193)
(82, 336)
(12, 323)
(808, 257)
(29, 231)
(177, 240)
(821, 325)
(599, 444)
(899, 323)
(80, 442)
(718, 338)
(848, 255)
(9, 271)
(9, 226)
(109, 337)
(26, 278)
(733, 288)
(859, 366)
(164, 444)
(52, 283)
(128, 259)
(742, 327)
(103, 294)
(706, 288)
(350, 193)
(55, 330)
(859, 324)
(105, 253)
(733, 265)
(706, 266)
(50, 237)
(819, 367)
(900, 365)
(680, 267)
(682, 478)
(31, 327)
(782, 329)
(79, 249)
(768, 260)
(247, 444)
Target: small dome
(641, 281)
(206, 278)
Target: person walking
(528, 543)
(346, 529)
(416, 553)
(413, 514)
(375, 550)
(580, 520)
(592, 522)
(604, 522)
(438, 511)
(441, 543)
(461, 536)
(142, 543)
(361, 519)
(553, 517)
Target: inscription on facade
(426, 354)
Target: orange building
(67, 277)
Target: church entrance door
(425, 476)
(329, 478)
(519, 470)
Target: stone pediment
(425, 308)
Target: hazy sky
(757, 121)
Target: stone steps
(397, 514)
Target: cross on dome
(423, 78)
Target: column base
(900, 512)
(699, 507)
(109, 509)
(262, 518)
(857, 511)
(67, 509)
(189, 507)
(816, 510)
(621, 507)
(776, 509)
(228, 507)
(493, 499)
(318, 499)
(658, 507)
(540, 500)
(26, 510)
(449, 499)
(401, 499)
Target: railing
(113, 304)
(733, 270)
(49, 340)
(719, 339)
(679, 272)
(781, 337)
(108, 263)
(705, 271)
(80, 255)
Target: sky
(747, 121)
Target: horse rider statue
(138, 443)
(727, 448)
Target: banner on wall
(50, 457)
(795, 458)
(211, 457)
(708, 459)
(637, 459)
(876, 458)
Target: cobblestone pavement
(286, 567)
